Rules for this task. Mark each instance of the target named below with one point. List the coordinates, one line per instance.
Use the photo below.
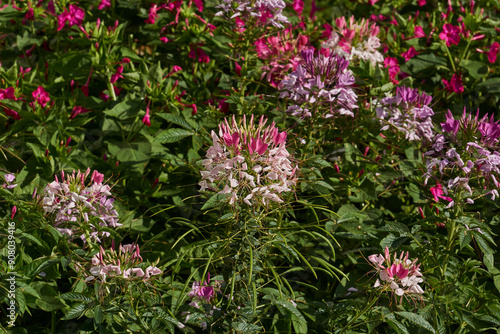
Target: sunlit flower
(408, 112)
(320, 81)
(76, 208)
(265, 12)
(248, 163)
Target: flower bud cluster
(78, 208)
(265, 11)
(465, 156)
(399, 275)
(355, 41)
(121, 264)
(408, 112)
(321, 85)
(249, 163)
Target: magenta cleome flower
(248, 162)
(202, 290)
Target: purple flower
(320, 81)
(408, 112)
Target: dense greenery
(246, 166)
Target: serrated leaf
(417, 320)
(179, 120)
(75, 312)
(173, 135)
(391, 320)
(244, 327)
(75, 297)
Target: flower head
(408, 112)
(79, 208)
(265, 12)
(41, 96)
(398, 275)
(122, 264)
(248, 162)
(320, 80)
(74, 16)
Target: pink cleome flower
(248, 162)
(400, 276)
(76, 207)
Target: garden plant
(249, 166)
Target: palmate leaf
(399, 327)
(298, 320)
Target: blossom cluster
(354, 40)
(78, 207)
(465, 157)
(123, 264)
(399, 275)
(265, 11)
(248, 162)
(281, 54)
(408, 112)
(320, 82)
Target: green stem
(451, 59)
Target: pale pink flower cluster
(409, 112)
(399, 275)
(354, 40)
(248, 162)
(265, 11)
(77, 208)
(121, 264)
(466, 155)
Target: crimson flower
(41, 96)
(73, 17)
(454, 85)
(450, 34)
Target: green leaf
(75, 297)
(215, 201)
(300, 324)
(417, 320)
(173, 135)
(424, 62)
(476, 69)
(134, 155)
(179, 120)
(244, 327)
(98, 314)
(399, 327)
(126, 109)
(75, 312)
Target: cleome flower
(408, 112)
(280, 54)
(465, 157)
(266, 12)
(354, 40)
(122, 264)
(78, 208)
(320, 86)
(398, 275)
(249, 163)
